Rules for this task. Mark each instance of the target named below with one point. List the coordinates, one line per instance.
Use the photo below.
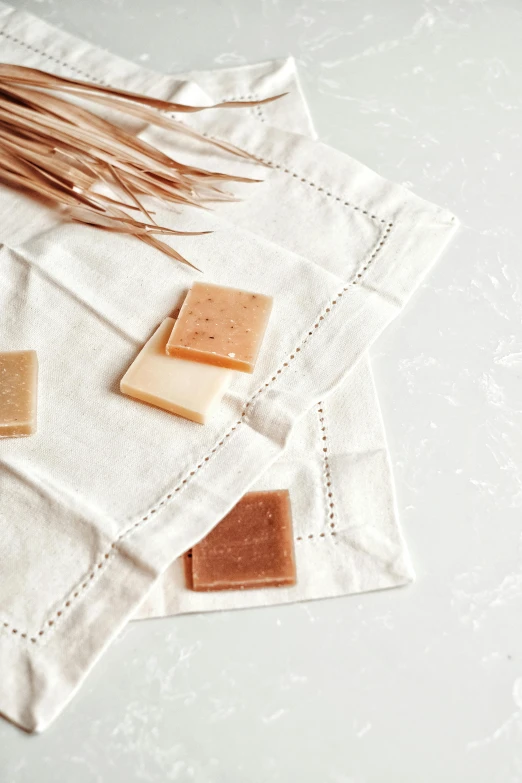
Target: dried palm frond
(60, 152)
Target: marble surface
(419, 684)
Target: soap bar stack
(185, 368)
(187, 365)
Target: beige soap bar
(188, 389)
(221, 326)
(18, 386)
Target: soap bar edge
(204, 357)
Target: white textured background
(419, 685)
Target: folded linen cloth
(350, 484)
(99, 503)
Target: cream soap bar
(221, 326)
(182, 387)
(18, 385)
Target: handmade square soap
(252, 547)
(221, 326)
(186, 388)
(18, 386)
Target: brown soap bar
(18, 382)
(252, 546)
(221, 326)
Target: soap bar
(18, 385)
(186, 388)
(252, 547)
(221, 326)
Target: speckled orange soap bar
(252, 547)
(221, 326)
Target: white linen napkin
(99, 503)
(336, 462)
